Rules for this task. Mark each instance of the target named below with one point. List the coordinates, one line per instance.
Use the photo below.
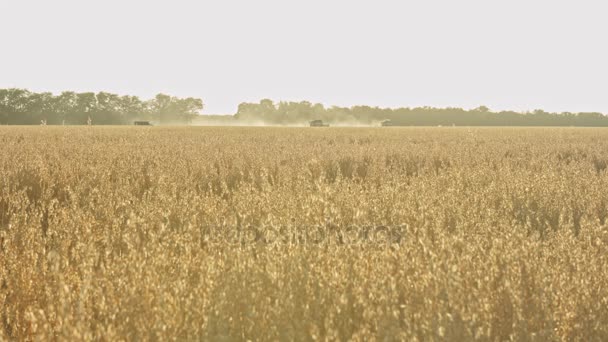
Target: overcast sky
(516, 54)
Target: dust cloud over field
(298, 234)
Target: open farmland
(303, 234)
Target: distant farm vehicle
(142, 123)
(318, 123)
(387, 123)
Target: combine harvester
(142, 123)
(318, 123)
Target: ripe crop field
(158, 233)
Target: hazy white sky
(516, 54)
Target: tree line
(23, 107)
(286, 113)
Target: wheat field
(221, 234)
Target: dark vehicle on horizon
(318, 123)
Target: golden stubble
(123, 233)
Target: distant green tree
(86, 104)
(172, 110)
(3, 106)
(15, 106)
(107, 110)
(132, 108)
(66, 107)
(188, 108)
(40, 108)
(482, 109)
